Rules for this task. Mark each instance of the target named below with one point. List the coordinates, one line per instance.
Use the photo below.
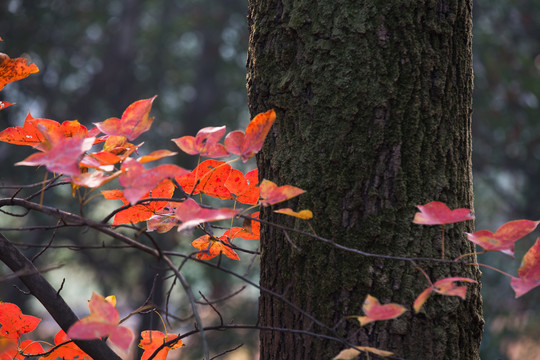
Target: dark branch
(47, 295)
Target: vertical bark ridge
(374, 107)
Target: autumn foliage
(166, 196)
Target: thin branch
(24, 272)
(227, 351)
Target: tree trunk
(373, 103)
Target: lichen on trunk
(373, 106)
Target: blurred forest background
(98, 56)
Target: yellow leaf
(111, 299)
(302, 214)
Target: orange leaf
(238, 232)
(152, 339)
(204, 143)
(141, 212)
(191, 214)
(253, 226)
(135, 121)
(244, 187)
(504, 238)
(28, 134)
(208, 178)
(14, 322)
(155, 155)
(14, 69)
(68, 351)
(302, 214)
(28, 347)
(102, 160)
(271, 194)
(375, 311)
(8, 348)
(211, 247)
(102, 321)
(248, 144)
(444, 286)
(137, 181)
(437, 213)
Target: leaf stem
(492, 268)
(442, 242)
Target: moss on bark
(373, 105)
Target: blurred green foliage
(506, 160)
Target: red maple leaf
(152, 339)
(14, 322)
(102, 321)
(204, 143)
(14, 69)
(244, 187)
(211, 247)
(437, 213)
(375, 311)
(135, 121)
(248, 144)
(504, 238)
(209, 178)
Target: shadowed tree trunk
(373, 103)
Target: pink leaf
(60, 154)
(102, 321)
(444, 286)
(272, 194)
(137, 181)
(191, 214)
(205, 143)
(135, 121)
(504, 238)
(529, 271)
(375, 311)
(248, 144)
(437, 213)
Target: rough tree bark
(373, 103)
